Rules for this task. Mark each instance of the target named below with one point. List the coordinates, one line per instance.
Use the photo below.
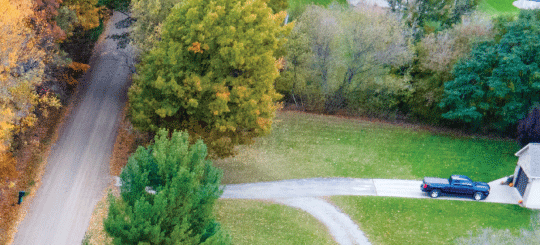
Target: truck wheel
(478, 196)
(435, 193)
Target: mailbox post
(21, 195)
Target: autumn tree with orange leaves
(26, 40)
(212, 73)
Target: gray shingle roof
(529, 159)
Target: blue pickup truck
(456, 184)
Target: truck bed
(433, 180)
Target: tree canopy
(500, 81)
(22, 69)
(212, 73)
(168, 192)
(436, 54)
(340, 58)
(86, 10)
(34, 71)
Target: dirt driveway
(77, 171)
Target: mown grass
(305, 145)
(257, 222)
(406, 221)
(498, 7)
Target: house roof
(529, 159)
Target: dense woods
(412, 61)
(447, 66)
(342, 58)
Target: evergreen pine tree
(168, 192)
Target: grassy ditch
(387, 220)
(304, 145)
(257, 222)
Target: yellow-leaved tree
(212, 73)
(86, 10)
(21, 71)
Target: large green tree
(150, 15)
(168, 192)
(500, 81)
(212, 73)
(436, 55)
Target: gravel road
(77, 171)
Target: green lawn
(257, 222)
(498, 7)
(396, 221)
(307, 145)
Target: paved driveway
(305, 194)
(319, 187)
